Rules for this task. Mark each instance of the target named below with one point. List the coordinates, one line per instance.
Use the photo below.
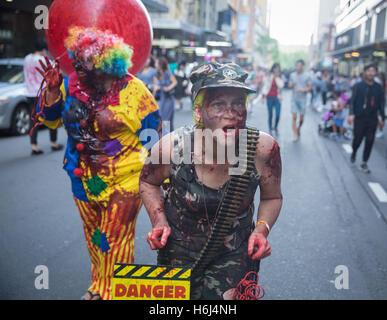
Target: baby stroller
(325, 127)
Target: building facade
(324, 36)
(17, 30)
(248, 23)
(361, 36)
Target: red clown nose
(128, 19)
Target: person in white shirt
(33, 81)
(272, 93)
(301, 84)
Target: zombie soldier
(184, 216)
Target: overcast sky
(292, 22)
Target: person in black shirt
(366, 112)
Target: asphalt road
(331, 217)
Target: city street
(333, 215)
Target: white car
(14, 108)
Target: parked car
(14, 108)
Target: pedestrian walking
(318, 88)
(366, 112)
(301, 84)
(259, 79)
(382, 79)
(271, 92)
(165, 83)
(182, 83)
(148, 73)
(104, 109)
(183, 220)
(33, 80)
(324, 94)
(337, 108)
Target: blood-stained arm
(155, 171)
(269, 165)
(53, 96)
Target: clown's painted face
(94, 79)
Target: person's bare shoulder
(267, 147)
(268, 160)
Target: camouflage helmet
(217, 75)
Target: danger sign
(139, 282)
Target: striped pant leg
(91, 218)
(118, 225)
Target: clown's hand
(52, 77)
(158, 236)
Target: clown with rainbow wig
(104, 110)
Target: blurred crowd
(330, 92)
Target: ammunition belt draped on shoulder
(227, 212)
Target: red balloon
(127, 18)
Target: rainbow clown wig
(99, 50)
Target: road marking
(379, 192)
(347, 148)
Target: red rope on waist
(248, 289)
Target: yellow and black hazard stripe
(132, 271)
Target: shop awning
(358, 51)
(154, 6)
(174, 24)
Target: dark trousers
(34, 136)
(364, 128)
(324, 97)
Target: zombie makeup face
(224, 110)
(81, 72)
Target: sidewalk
(375, 183)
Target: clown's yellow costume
(104, 158)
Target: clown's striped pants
(109, 233)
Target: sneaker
(333, 136)
(364, 168)
(271, 132)
(353, 158)
(340, 138)
(380, 135)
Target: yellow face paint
(198, 102)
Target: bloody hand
(258, 239)
(51, 75)
(158, 236)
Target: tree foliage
(288, 59)
(269, 50)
